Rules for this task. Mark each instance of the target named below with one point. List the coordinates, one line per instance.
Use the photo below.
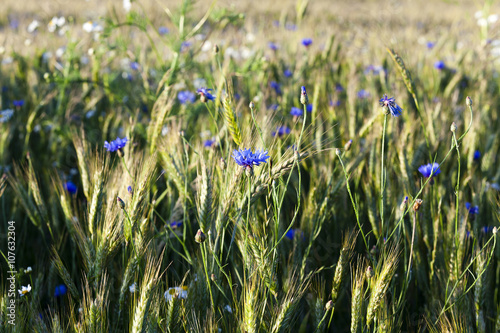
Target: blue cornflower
(246, 158)
(209, 143)
(473, 210)
(390, 104)
(130, 190)
(307, 42)
(185, 45)
(280, 131)
(487, 229)
(296, 112)
(18, 103)
(276, 86)
(60, 290)
(362, 94)
(116, 144)
(290, 234)
(290, 26)
(175, 224)
(430, 45)
(287, 73)
(186, 96)
(273, 107)
(163, 30)
(205, 94)
(439, 65)
(477, 155)
(70, 187)
(427, 169)
(338, 87)
(309, 107)
(273, 46)
(334, 103)
(134, 65)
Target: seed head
(417, 204)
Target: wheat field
(246, 166)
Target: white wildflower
(33, 26)
(28, 269)
(24, 290)
(132, 288)
(5, 115)
(180, 292)
(127, 4)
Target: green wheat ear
(405, 73)
(231, 122)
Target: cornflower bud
(200, 237)
(303, 96)
(120, 202)
(417, 204)
(453, 127)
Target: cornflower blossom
(473, 210)
(205, 94)
(363, 94)
(296, 112)
(18, 103)
(163, 31)
(439, 65)
(273, 46)
(60, 290)
(245, 157)
(307, 42)
(276, 86)
(115, 144)
(391, 105)
(477, 155)
(70, 187)
(287, 73)
(186, 97)
(427, 169)
(280, 131)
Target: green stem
(352, 201)
(382, 176)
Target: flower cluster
(115, 144)
(390, 105)
(246, 158)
